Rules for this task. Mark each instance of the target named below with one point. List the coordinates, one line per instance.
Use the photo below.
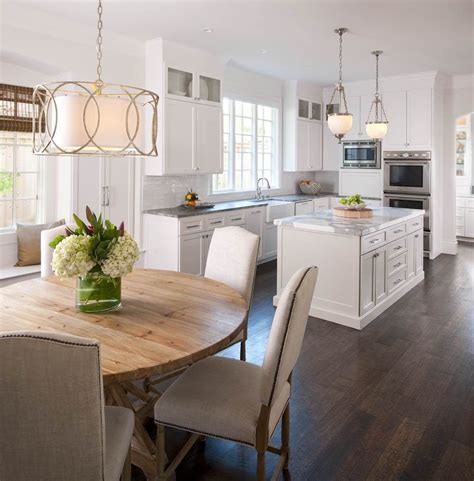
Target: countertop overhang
(326, 222)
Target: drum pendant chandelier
(340, 123)
(377, 127)
(94, 118)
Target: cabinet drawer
(235, 218)
(397, 263)
(396, 248)
(414, 224)
(460, 202)
(460, 231)
(460, 220)
(396, 232)
(321, 203)
(214, 221)
(460, 211)
(470, 203)
(190, 225)
(397, 280)
(372, 241)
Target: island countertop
(326, 221)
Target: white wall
(160, 192)
(458, 100)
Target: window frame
(277, 143)
(40, 185)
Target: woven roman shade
(16, 108)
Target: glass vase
(98, 293)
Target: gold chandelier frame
(44, 130)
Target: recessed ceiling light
(263, 51)
(207, 30)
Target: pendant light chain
(340, 57)
(339, 86)
(99, 81)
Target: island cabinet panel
(373, 279)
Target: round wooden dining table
(167, 321)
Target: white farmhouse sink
(277, 209)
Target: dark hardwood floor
(393, 402)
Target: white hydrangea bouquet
(99, 254)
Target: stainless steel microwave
(407, 172)
(361, 154)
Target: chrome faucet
(258, 192)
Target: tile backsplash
(162, 192)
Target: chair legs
(260, 466)
(243, 351)
(160, 452)
(285, 436)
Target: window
(250, 146)
(19, 179)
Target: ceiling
(294, 39)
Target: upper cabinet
(302, 127)
(359, 107)
(189, 83)
(410, 117)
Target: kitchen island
(365, 265)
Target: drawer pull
(415, 224)
(216, 222)
(237, 218)
(416, 237)
(398, 264)
(373, 241)
(398, 231)
(192, 226)
(397, 282)
(397, 248)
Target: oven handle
(406, 163)
(408, 196)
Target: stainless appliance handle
(406, 163)
(407, 196)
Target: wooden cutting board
(353, 214)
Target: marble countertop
(326, 221)
(181, 211)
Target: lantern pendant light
(340, 122)
(376, 126)
(94, 118)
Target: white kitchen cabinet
(315, 146)
(409, 113)
(192, 249)
(332, 150)
(419, 252)
(321, 203)
(106, 185)
(367, 183)
(373, 279)
(254, 219)
(359, 107)
(208, 139)
(308, 147)
(305, 207)
(270, 240)
(469, 223)
(189, 83)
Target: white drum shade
(376, 130)
(340, 124)
(83, 120)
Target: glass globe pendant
(94, 118)
(376, 126)
(340, 123)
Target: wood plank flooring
(393, 402)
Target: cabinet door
(302, 208)
(332, 150)
(191, 253)
(321, 204)
(419, 252)
(395, 105)
(380, 275)
(315, 146)
(254, 223)
(367, 282)
(119, 191)
(208, 139)
(469, 223)
(411, 249)
(90, 180)
(303, 132)
(270, 235)
(353, 105)
(179, 139)
(207, 243)
(418, 119)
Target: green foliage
(6, 183)
(352, 200)
(103, 235)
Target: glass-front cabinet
(309, 110)
(193, 86)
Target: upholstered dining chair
(232, 260)
(238, 401)
(53, 423)
(47, 236)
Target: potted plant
(98, 254)
(191, 198)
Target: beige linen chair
(239, 401)
(232, 260)
(52, 421)
(47, 236)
